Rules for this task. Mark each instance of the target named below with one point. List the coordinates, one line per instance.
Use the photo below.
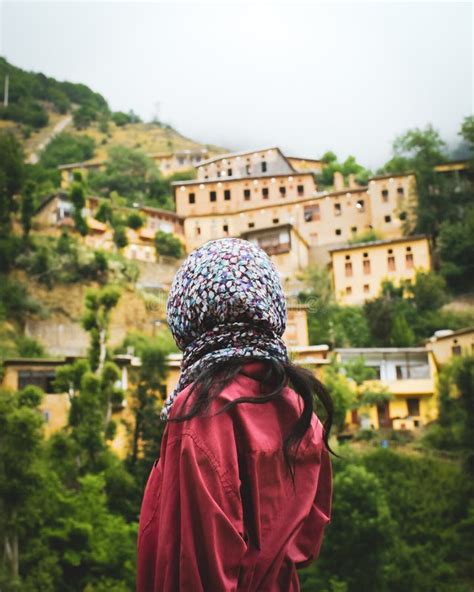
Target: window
(354, 229)
(391, 263)
(225, 228)
(456, 350)
(283, 191)
(348, 290)
(337, 209)
(400, 191)
(338, 232)
(247, 169)
(413, 406)
(264, 166)
(275, 220)
(385, 195)
(366, 266)
(409, 260)
(388, 219)
(213, 196)
(198, 230)
(300, 190)
(251, 224)
(227, 194)
(192, 198)
(265, 192)
(247, 194)
(348, 269)
(42, 378)
(229, 172)
(218, 173)
(311, 213)
(366, 288)
(360, 205)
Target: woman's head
(226, 302)
(224, 282)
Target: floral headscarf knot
(226, 301)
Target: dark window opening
(192, 198)
(43, 379)
(388, 219)
(338, 232)
(283, 191)
(300, 190)
(247, 194)
(265, 192)
(227, 194)
(213, 196)
(264, 167)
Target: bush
(168, 245)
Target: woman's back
(220, 512)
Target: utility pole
(5, 91)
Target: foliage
(12, 175)
(369, 236)
(135, 221)
(29, 90)
(77, 195)
(67, 149)
(120, 236)
(27, 208)
(168, 245)
(453, 428)
(349, 167)
(96, 320)
(456, 249)
(338, 326)
(387, 537)
(120, 118)
(133, 175)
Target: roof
(377, 243)
(83, 165)
(160, 211)
(303, 158)
(380, 350)
(390, 175)
(234, 179)
(464, 331)
(243, 153)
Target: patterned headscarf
(226, 301)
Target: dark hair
(212, 380)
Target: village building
(239, 192)
(55, 214)
(448, 344)
(409, 375)
(359, 270)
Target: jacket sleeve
(211, 542)
(307, 545)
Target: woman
(242, 491)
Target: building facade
(358, 270)
(236, 193)
(409, 375)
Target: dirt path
(57, 129)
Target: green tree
(168, 245)
(21, 429)
(12, 173)
(27, 208)
(96, 321)
(67, 149)
(77, 195)
(135, 221)
(120, 236)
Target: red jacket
(219, 513)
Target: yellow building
(447, 344)
(409, 374)
(21, 372)
(358, 270)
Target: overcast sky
(305, 77)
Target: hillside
(39, 107)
